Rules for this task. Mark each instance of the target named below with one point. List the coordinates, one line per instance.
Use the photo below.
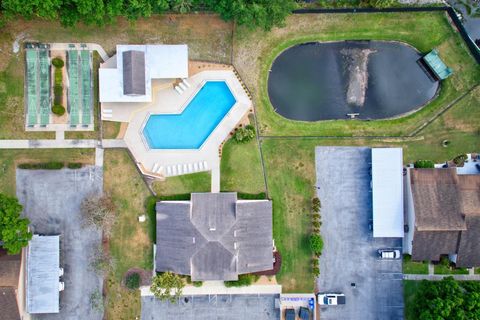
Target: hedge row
(49, 165)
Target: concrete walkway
(48, 144)
(113, 143)
(437, 277)
(215, 184)
(217, 287)
(90, 46)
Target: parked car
(290, 314)
(304, 313)
(389, 254)
(477, 166)
(330, 299)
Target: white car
(389, 254)
(330, 299)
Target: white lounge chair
(107, 110)
(106, 115)
(174, 170)
(177, 88)
(190, 167)
(185, 168)
(179, 167)
(181, 85)
(160, 169)
(155, 167)
(169, 171)
(205, 164)
(184, 80)
(195, 167)
(200, 165)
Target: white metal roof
(43, 265)
(161, 62)
(387, 190)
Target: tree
(316, 244)
(167, 286)
(424, 164)
(182, 6)
(99, 211)
(14, 234)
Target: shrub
(315, 262)
(243, 280)
(132, 281)
(243, 135)
(45, 166)
(316, 224)
(99, 211)
(58, 62)
(316, 217)
(58, 109)
(251, 196)
(316, 205)
(460, 159)
(424, 164)
(197, 283)
(167, 286)
(316, 271)
(74, 165)
(58, 94)
(316, 244)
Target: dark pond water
(310, 81)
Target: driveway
(220, 307)
(373, 287)
(51, 200)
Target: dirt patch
(356, 66)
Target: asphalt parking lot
(51, 200)
(219, 307)
(373, 287)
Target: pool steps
(178, 169)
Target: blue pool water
(192, 127)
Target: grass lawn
(130, 244)
(441, 269)
(254, 53)
(9, 159)
(411, 267)
(410, 287)
(291, 179)
(241, 169)
(195, 182)
(110, 129)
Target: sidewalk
(48, 144)
(437, 277)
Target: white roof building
(43, 274)
(387, 190)
(156, 62)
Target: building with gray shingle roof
(133, 72)
(214, 236)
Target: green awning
(436, 64)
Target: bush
(99, 211)
(74, 165)
(167, 286)
(58, 62)
(316, 205)
(243, 135)
(43, 165)
(424, 164)
(243, 280)
(197, 283)
(316, 217)
(460, 159)
(316, 244)
(132, 281)
(251, 196)
(58, 109)
(316, 271)
(316, 224)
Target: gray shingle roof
(214, 236)
(134, 72)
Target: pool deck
(167, 101)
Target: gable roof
(214, 236)
(8, 304)
(133, 72)
(436, 200)
(9, 269)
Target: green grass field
(412, 267)
(410, 287)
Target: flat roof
(161, 62)
(43, 263)
(387, 192)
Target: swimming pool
(189, 129)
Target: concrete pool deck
(160, 163)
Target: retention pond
(332, 80)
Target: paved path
(215, 185)
(431, 269)
(61, 144)
(99, 157)
(91, 46)
(437, 277)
